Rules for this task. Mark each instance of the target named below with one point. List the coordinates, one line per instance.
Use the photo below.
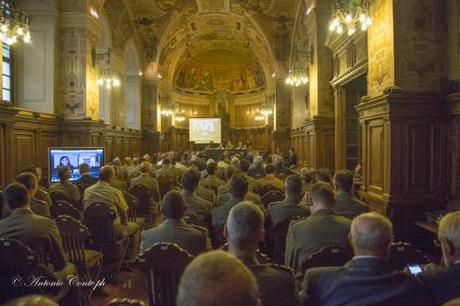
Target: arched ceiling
(217, 31)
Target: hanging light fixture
(260, 116)
(179, 116)
(107, 76)
(167, 109)
(350, 15)
(267, 108)
(298, 75)
(15, 24)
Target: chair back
(263, 189)
(330, 256)
(98, 217)
(272, 196)
(74, 235)
(20, 262)
(60, 196)
(258, 176)
(165, 183)
(164, 263)
(144, 196)
(81, 188)
(276, 240)
(262, 258)
(133, 204)
(217, 237)
(404, 253)
(282, 175)
(194, 220)
(126, 302)
(64, 208)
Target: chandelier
(350, 15)
(297, 76)
(15, 24)
(107, 76)
(179, 116)
(167, 109)
(260, 116)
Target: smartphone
(414, 269)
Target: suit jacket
(146, 180)
(307, 236)
(197, 206)
(86, 180)
(69, 189)
(348, 206)
(362, 281)
(39, 233)
(271, 180)
(279, 212)
(192, 238)
(276, 283)
(250, 196)
(442, 285)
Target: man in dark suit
(291, 159)
(196, 205)
(443, 284)
(323, 228)
(30, 182)
(85, 176)
(37, 232)
(174, 229)
(346, 204)
(290, 207)
(366, 279)
(244, 231)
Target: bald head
(106, 173)
(371, 234)
(227, 281)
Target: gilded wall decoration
(73, 71)
(381, 48)
(92, 87)
(120, 21)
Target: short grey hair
(371, 232)
(116, 161)
(449, 229)
(258, 160)
(235, 162)
(244, 224)
(146, 167)
(228, 282)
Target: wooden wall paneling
(47, 140)
(24, 149)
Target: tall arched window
(132, 88)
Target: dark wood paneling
(23, 149)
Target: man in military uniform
(64, 186)
(224, 190)
(146, 180)
(41, 194)
(289, 208)
(85, 176)
(323, 228)
(270, 178)
(212, 179)
(244, 231)
(30, 182)
(196, 205)
(228, 173)
(174, 229)
(345, 203)
(244, 167)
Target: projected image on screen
(205, 130)
(73, 158)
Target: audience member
(177, 171)
(124, 169)
(39, 233)
(323, 228)
(165, 169)
(102, 192)
(116, 182)
(30, 182)
(443, 284)
(41, 194)
(345, 203)
(224, 190)
(222, 162)
(244, 167)
(212, 178)
(270, 178)
(366, 279)
(217, 279)
(228, 173)
(238, 191)
(290, 208)
(257, 170)
(85, 176)
(196, 206)
(146, 180)
(174, 229)
(135, 169)
(307, 177)
(64, 186)
(244, 231)
(324, 175)
(291, 159)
